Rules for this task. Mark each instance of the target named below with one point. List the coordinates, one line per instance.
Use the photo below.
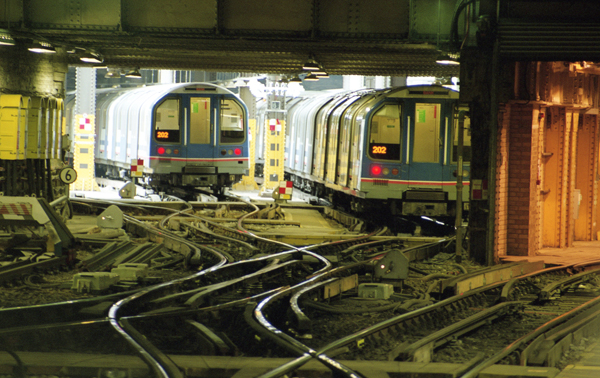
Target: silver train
(361, 149)
(179, 135)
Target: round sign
(68, 175)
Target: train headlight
(176, 151)
(230, 152)
(169, 151)
(161, 150)
(386, 171)
(395, 171)
(375, 170)
(223, 152)
(237, 151)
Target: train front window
(167, 127)
(232, 122)
(385, 132)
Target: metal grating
(549, 41)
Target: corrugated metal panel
(549, 41)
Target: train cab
(411, 140)
(199, 137)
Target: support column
(476, 88)
(586, 168)
(274, 141)
(519, 179)
(83, 130)
(248, 182)
(503, 155)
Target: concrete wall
(31, 74)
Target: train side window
(166, 121)
(427, 133)
(466, 140)
(385, 132)
(200, 120)
(232, 122)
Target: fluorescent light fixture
(42, 47)
(6, 38)
(135, 73)
(311, 77)
(447, 59)
(321, 74)
(91, 57)
(310, 65)
(113, 73)
(295, 79)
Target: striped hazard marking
(16, 211)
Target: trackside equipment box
(131, 272)
(97, 281)
(375, 291)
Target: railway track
(369, 298)
(510, 332)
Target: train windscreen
(166, 121)
(232, 122)
(385, 132)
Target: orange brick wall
(519, 179)
(536, 179)
(500, 220)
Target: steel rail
(10, 273)
(377, 328)
(422, 350)
(160, 364)
(591, 306)
(198, 299)
(510, 285)
(255, 318)
(240, 268)
(107, 255)
(548, 290)
(184, 212)
(302, 320)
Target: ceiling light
(6, 38)
(447, 59)
(113, 73)
(311, 65)
(295, 79)
(321, 74)
(311, 77)
(91, 57)
(135, 73)
(42, 47)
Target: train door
(201, 132)
(425, 168)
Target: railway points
(455, 234)
(209, 258)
